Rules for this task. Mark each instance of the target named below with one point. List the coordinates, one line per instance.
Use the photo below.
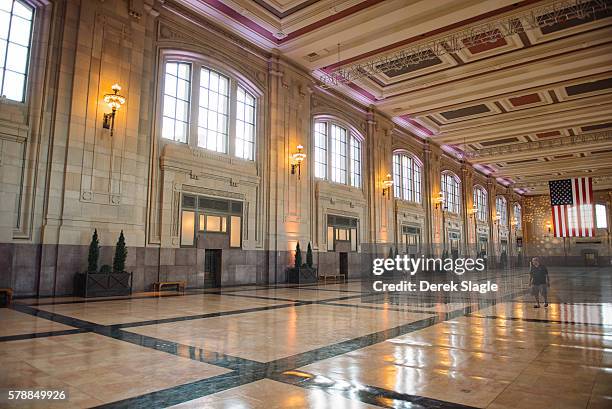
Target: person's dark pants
(538, 289)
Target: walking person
(539, 281)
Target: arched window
(15, 40)
(208, 109)
(337, 153)
(450, 188)
(518, 216)
(406, 177)
(480, 203)
(501, 209)
(601, 217)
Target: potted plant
(302, 272)
(108, 281)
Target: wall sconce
(114, 101)
(387, 185)
(497, 218)
(549, 226)
(473, 210)
(439, 199)
(298, 157)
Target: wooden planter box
(102, 284)
(302, 275)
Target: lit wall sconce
(473, 210)
(497, 218)
(114, 101)
(549, 226)
(298, 157)
(439, 200)
(387, 185)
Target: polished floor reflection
(316, 346)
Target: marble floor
(328, 345)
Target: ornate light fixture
(298, 157)
(114, 101)
(439, 200)
(473, 210)
(387, 185)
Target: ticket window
(482, 246)
(453, 240)
(203, 215)
(410, 240)
(342, 231)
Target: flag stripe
(578, 207)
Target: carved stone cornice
(545, 144)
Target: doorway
(344, 264)
(212, 268)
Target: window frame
(28, 62)
(605, 213)
(519, 219)
(480, 196)
(352, 138)
(501, 210)
(236, 80)
(456, 193)
(400, 192)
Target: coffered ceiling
(521, 89)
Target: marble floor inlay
(314, 346)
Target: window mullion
(195, 106)
(329, 151)
(349, 158)
(231, 132)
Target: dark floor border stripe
(220, 359)
(539, 320)
(185, 392)
(373, 307)
(162, 294)
(369, 394)
(208, 315)
(46, 334)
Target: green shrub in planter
(309, 256)
(105, 282)
(301, 272)
(120, 255)
(106, 269)
(94, 253)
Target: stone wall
(540, 238)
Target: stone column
(427, 194)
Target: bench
(8, 294)
(335, 276)
(180, 285)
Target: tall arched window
(518, 216)
(337, 153)
(208, 109)
(450, 184)
(601, 217)
(406, 177)
(501, 209)
(480, 202)
(15, 39)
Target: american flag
(572, 207)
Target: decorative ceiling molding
(552, 13)
(544, 144)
